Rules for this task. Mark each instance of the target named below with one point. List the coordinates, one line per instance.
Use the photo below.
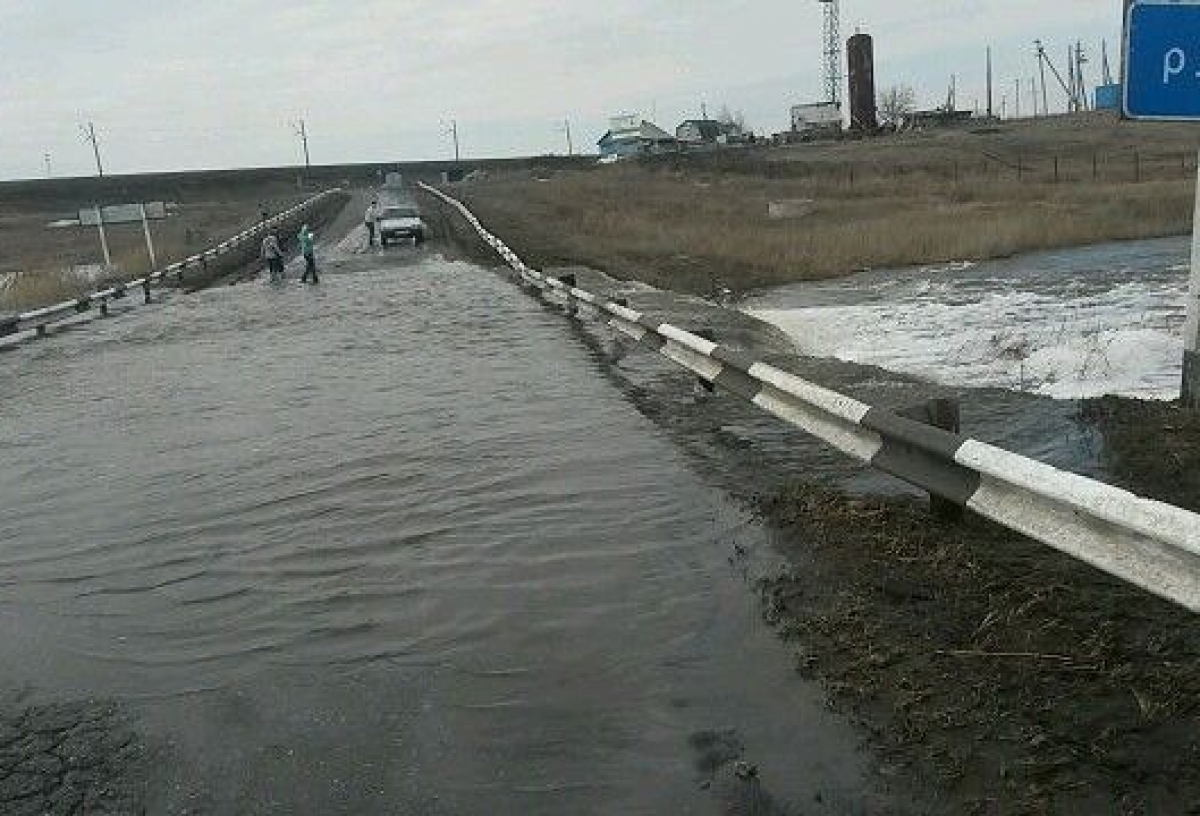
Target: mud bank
(988, 672)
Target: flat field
(701, 222)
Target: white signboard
(124, 214)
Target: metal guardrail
(40, 319)
(1153, 545)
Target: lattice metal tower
(833, 52)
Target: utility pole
(89, 135)
(1033, 95)
(1041, 55)
(49, 170)
(1072, 81)
(1081, 59)
(301, 128)
(990, 110)
(570, 144)
(454, 135)
(1018, 99)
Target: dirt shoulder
(990, 673)
(991, 668)
(750, 218)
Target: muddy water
(389, 545)
(1065, 324)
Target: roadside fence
(1009, 167)
(41, 319)
(1150, 544)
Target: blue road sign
(1162, 60)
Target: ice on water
(1071, 324)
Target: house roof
(647, 132)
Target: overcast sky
(216, 83)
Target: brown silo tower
(861, 54)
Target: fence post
(1056, 169)
(1020, 169)
(1137, 167)
(1095, 168)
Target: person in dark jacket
(307, 249)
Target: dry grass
(38, 261)
(701, 224)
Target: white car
(400, 223)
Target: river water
(1068, 324)
(388, 545)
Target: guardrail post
(708, 385)
(946, 414)
(146, 289)
(570, 280)
(41, 330)
(104, 308)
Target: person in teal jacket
(306, 238)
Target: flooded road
(390, 545)
(1067, 324)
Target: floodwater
(1068, 324)
(388, 545)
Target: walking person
(272, 253)
(371, 217)
(306, 239)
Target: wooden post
(1095, 168)
(1137, 167)
(1056, 169)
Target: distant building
(820, 120)
(709, 132)
(634, 136)
(1108, 97)
(700, 131)
(938, 118)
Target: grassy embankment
(38, 263)
(700, 222)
